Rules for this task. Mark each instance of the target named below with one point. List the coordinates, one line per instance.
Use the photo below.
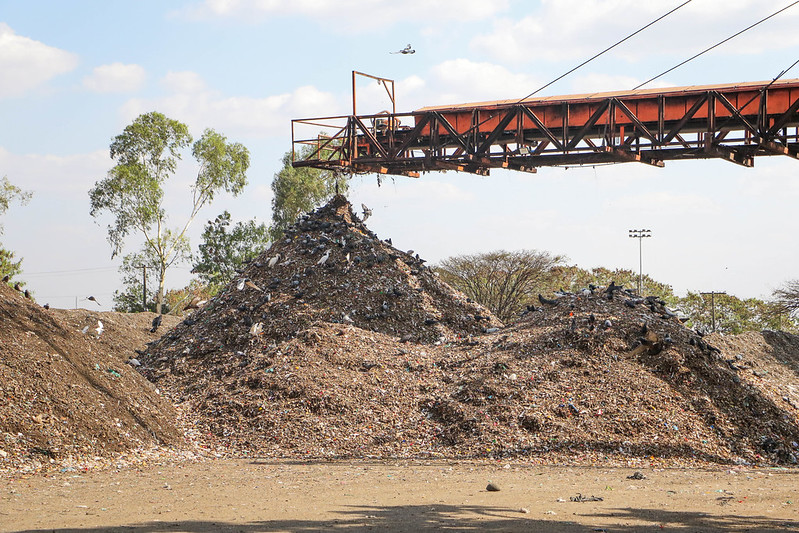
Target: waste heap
(605, 373)
(300, 352)
(334, 344)
(64, 395)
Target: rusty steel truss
(732, 122)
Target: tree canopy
(299, 190)
(225, 249)
(502, 281)
(10, 193)
(9, 267)
(147, 154)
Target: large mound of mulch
(69, 394)
(334, 344)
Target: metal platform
(732, 122)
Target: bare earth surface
(266, 495)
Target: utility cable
(717, 44)
(605, 50)
(759, 93)
(476, 126)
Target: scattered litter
(581, 498)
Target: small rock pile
(335, 344)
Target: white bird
(406, 50)
(366, 212)
(273, 260)
(99, 328)
(324, 258)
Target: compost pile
(65, 394)
(334, 344)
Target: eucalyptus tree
(299, 190)
(146, 155)
(10, 193)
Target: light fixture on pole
(639, 234)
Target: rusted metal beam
(751, 119)
(632, 157)
(588, 125)
(726, 153)
(774, 148)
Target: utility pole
(712, 306)
(639, 234)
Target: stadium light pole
(639, 234)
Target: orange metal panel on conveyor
(643, 103)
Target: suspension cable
(605, 50)
(716, 45)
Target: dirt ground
(249, 495)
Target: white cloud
(115, 78)
(26, 63)
(190, 100)
(72, 174)
(464, 80)
(183, 82)
(574, 30)
(365, 16)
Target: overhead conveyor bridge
(732, 122)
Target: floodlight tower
(639, 234)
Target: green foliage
(9, 267)
(225, 249)
(299, 190)
(129, 300)
(502, 281)
(731, 314)
(146, 154)
(10, 193)
(178, 299)
(574, 278)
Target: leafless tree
(786, 298)
(500, 280)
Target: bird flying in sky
(406, 50)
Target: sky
(75, 73)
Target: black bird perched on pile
(17, 287)
(547, 301)
(156, 324)
(6, 278)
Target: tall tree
(786, 298)
(502, 281)
(146, 154)
(9, 267)
(10, 193)
(299, 190)
(225, 249)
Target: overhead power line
(76, 271)
(717, 44)
(605, 50)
